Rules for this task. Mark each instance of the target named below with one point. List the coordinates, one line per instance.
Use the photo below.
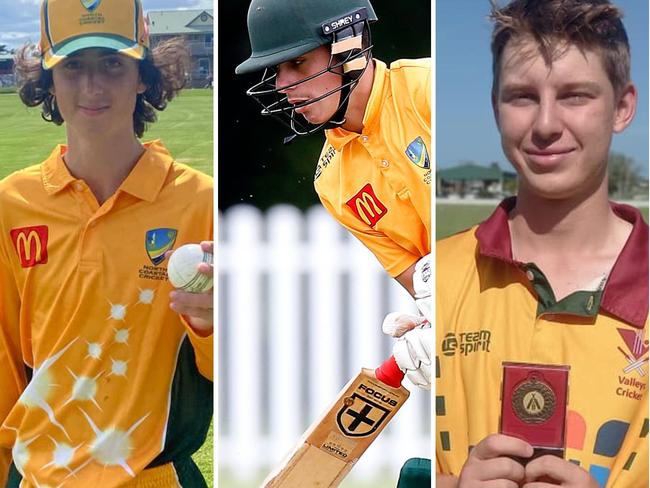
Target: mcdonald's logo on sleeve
(366, 206)
(30, 244)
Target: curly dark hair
(163, 72)
(556, 24)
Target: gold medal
(533, 401)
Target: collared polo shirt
(377, 184)
(99, 378)
(492, 309)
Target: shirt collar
(626, 291)
(144, 182)
(339, 137)
(54, 172)
(150, 172)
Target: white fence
(300, 309)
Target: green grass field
(185, 127)
(454, 218)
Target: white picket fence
(300, 309)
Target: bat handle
(389, 373)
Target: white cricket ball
(182, 269)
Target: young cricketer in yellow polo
(105, 380)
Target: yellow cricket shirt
(377, 184)
(492, 309)
(99, 378)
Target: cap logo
(90, 5)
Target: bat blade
(332, 445)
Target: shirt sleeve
(12, 372)
(203, 345)
(393, 258)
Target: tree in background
(624, 177)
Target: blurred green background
(452, 218)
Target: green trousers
(416, 473)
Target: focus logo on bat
(360, 416)
(366, 206)
(30, 244)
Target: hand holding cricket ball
(190, 271)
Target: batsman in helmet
(374, 171)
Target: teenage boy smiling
(557, 275)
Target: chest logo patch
(30, 244)
(366, 206)
(158, 242)
(90, 5)
(418, 154)
(637, 349)
(466, 342)
(324, 161)
(533, 401)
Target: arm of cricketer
(197, 307)
(336, 441)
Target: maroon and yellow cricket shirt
(492, 309)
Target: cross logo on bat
(360, 417)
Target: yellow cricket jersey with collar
(377, 184)
(100, 379)
(492, 309)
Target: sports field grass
(452, 218)
(185, 127)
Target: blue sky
(19, 19)
(464, 124)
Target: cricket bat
(334, 443)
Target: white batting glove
(422, 284)
(396, 324)
(412, 350)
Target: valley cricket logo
(91, 5)
(30, 244)
(418, 154)
(637, 348)
(366, 206)
(360, 417)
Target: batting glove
(412, 350)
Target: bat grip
(389, 373)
